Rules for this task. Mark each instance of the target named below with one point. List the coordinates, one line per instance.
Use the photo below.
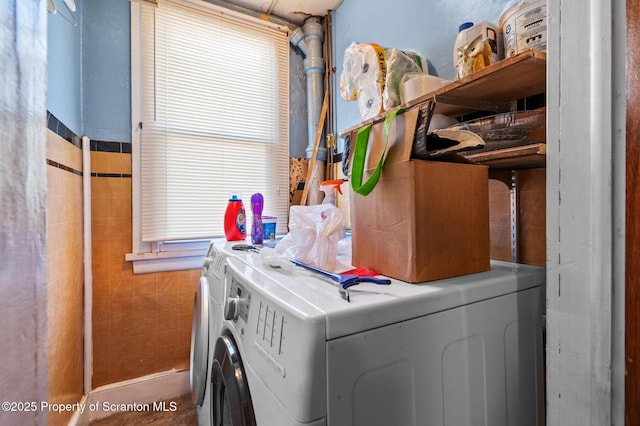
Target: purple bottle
(257, 232)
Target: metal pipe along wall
(309, 39)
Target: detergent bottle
(257, 229)
(235, 227)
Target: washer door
(199, 342)
(231, 401)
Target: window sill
(144, 263)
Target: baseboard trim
(138, 393)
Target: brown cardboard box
(424, 220)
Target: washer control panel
(278, 333)
(238, 302)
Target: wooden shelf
(511, 79)
(520, 157)
(494, 88)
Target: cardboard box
(424, 220)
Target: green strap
(360, 153)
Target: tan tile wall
(64, 276)
(141, 323)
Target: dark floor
(185, 414)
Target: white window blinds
(214, 106)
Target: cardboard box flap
(400, 144)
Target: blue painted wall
(89, 68)
(106, 73)
(429, 27)
(64, 79)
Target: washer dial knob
(232, 308)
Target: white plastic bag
(314, 233)
(362, 66)
(371, 75)
(399, 63)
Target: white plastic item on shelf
(524, 26)
(414, 85)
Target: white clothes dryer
(460, 351)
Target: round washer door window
(231, 401)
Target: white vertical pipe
(309, 39)
(88, 273)
(314, 68)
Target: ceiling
(294, 11)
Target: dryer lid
(373, 306)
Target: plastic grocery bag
(371, 75)
(314, 233)
(363, 65)
(399, 63)
(363, 77)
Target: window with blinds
(213, 99)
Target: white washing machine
(460, 351)
(206, 326)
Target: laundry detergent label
(241, 222)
